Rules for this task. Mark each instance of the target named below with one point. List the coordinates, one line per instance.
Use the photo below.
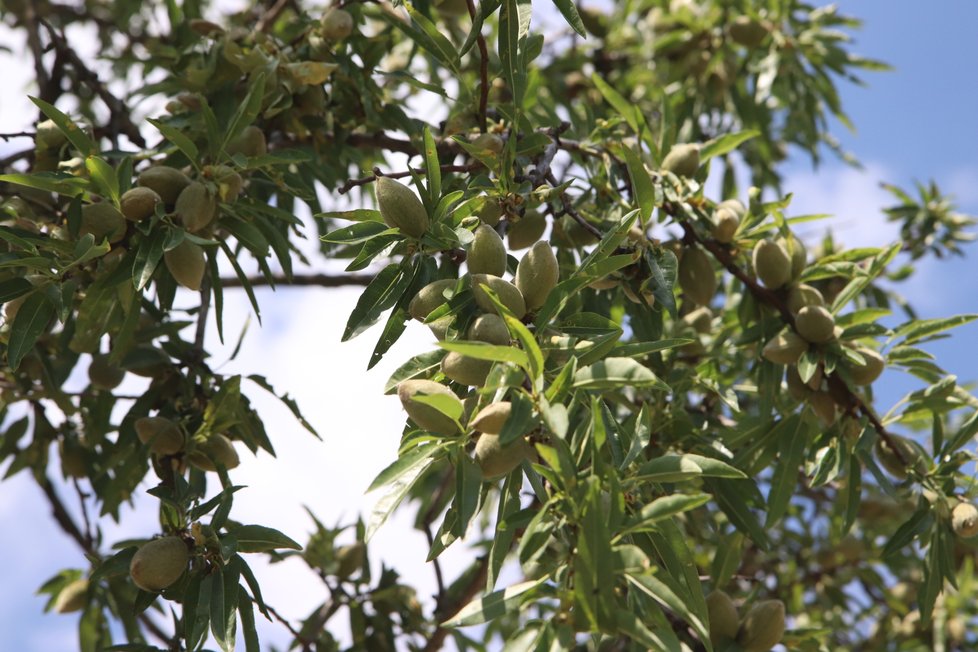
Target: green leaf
(921, 329)
(726, 143)
(426, 34)
(569, 11)
(664, 507)
(75, 134)
(627, 110)
(31, 321)
(67, 185)
(417, 366)
(432, 165)
(611, 373)
(104, 177)
(356, 233)
(382, 293)
(258, 538)
(791, 455)
(176, 137)
(447, 405)
(732, 497)
(641, 184)
(483, 351)
(398, 487)
(12, 288)
(673, 468)
(246, 610)
(482, 610)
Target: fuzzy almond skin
(724, 619)
(337, 24)
(797, 253)
(725, 224)
(772, 265)
(491, 329)
(525, 232)
(785, 348)
(815, 324)
(487, 255)
(865, 374)
(762, 627)
(426, 416)
(163, 436)
(683, 159)
(492, 418)
(102, 220)
(466, 370)
(803, 295)
(400, 208)
(537, 274)
(748, 32)
(103, 374)
(508, 293)
(824, 408)
(218, 449)
(964, 520)
(196, 207)
(496, 460)
(139, 203)
(159, 563)
(696, 276)
(165, 181)
(72, 598)
(429, 297)
(187, 264)
(250, 142)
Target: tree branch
(362, 181)
(321, 280)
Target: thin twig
(362, 181)
(306, 643)
(568, 209)
(205, 305)
(271, 15)
(472, 589)
(483, 72)
(320, 280)
(439, 579)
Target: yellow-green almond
(734, 205)
(72, 597)
(103, 374)
(803, 295)
(229, 182)
(439, 327)
(696, 276)
(870, 370)
(824, 407)
(508, 294)
(430, 297)
(218, 449)
(682, 160)
(797, 253)
(529, 229)
(772, 265)
(187, 264)
(337, 24)
(724, 619)
(796, 387)
(890, 460)
(159, 563)
(964, 520)
(785, 348)
(167, 182)
(497, 460)
(162, 435)
(725, 224)
(465, 369)
(815, 324)
(250, 142)
(139, 203)
(490, 142)
(700, 320)
(747, 31)
(490, 211)
(102, 220)
(762, 627)
(48, 137)
(492, 418)
(425, 416)
(487, 253)
(196, 207)
(400, 208)
(604, 283)
(489, 328)
(537, 274)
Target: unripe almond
(725, 224)
(734, 205)
(497, 460)
(785, 348)
(870, 370)
(439, 327)
(489, 142)
(139, 203)
(537, 274)
(102, 220)
(490, 212)
(187, 264)
(103, 374)
(465, 370)
(815, 324)
(196, 207)
(492, 418)
(696, 276)
(964, 520)
(250, 142)
(824, 407)
(73, 458)
(337, 24)
(748, 32)
(400, 208)
(229, 182)
(489, 328)
(771, 264)
(762, 627)
(803, 295)
(796, 387)
(427, 417)
(604, 283)
(724, 619)
(163, 436)
(700, 320)
(48, 137)
(898, 463)
(508, 294)
(632, 294)
(165, 181)
(430, 297)
(159, 563)
(217, 449)
(797, 253)
(682, 160)
(349, 559)
(487, 254)
(72, 597)
(526, 231)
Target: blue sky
(917, 122)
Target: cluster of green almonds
(165, 437)
(760, 629)
(697, 276)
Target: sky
(916, 122)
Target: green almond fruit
(824, 407)
(647, 298)
(187, 264)
(724, 619)
(735, 206)
(165, 181)
(217, 449)
(490, 211)
(529, 229)
(229, 182)
(537, 274)
(796, 387)
(489, 142)
(870, 370)
(489, 328)
(139, 203)
(497, 460)
(465, 370)
(492, 418)
(696, 276)
(72, 597)
(803, 295)
(487, 253)
(400, 208)
(700, 320)
(425, 416)
(48, 137)
(797, 253)
(683, 159)
(604, 283)
(439, 327)
(785, 348)
(762, 627)
(104, 221)
(336, 24)
(196, 207)
(747, 31)
(964, 520)
(103, 374)
(815, 324)
(429, 298)
(159, 563)
(898, 464)
(772, 265)
(725, 225)
(508, 294)
(250, 142)
(73, 458)
(164, 437)
(350, 559)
